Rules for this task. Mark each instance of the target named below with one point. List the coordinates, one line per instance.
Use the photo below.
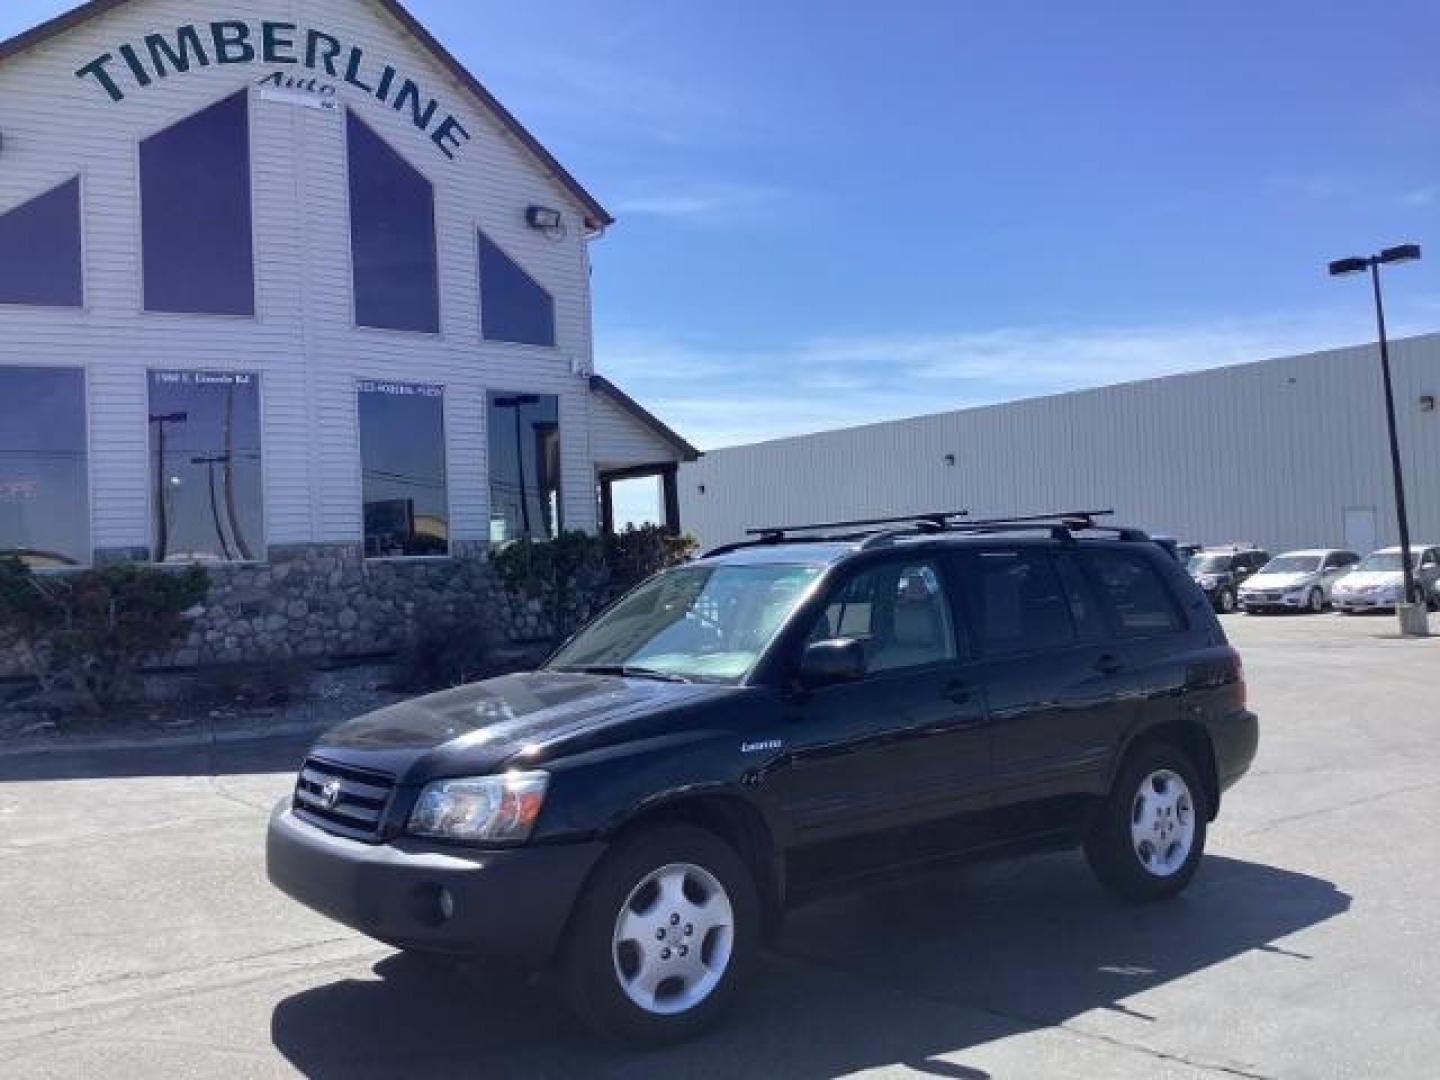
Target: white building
(281, 274)
(1289, 452)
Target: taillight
(1240, 679)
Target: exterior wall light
(545, 218)
(1427, 402)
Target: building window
(392, 236)
(512, 306)
(44, 509)
(205, 466)
(402, 457)
(40, 250)
(195, 213)
(524, 466)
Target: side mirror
(832, 661)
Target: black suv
(772, 721)
(1220, 572)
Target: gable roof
(596, 216)
(683, 450)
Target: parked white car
(1378, 581)
(1297, 580)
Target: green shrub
(446, 647)
(255, 682)
(577, 574)
(83, 636)
(633, 554)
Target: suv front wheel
(662, 936)
(1148, 837)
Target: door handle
(1109, 664)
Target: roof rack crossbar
(935, 519)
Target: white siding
(302, 341)
(618, 440)
(1271, 452)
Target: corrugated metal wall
(1272, 452)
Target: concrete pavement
(139, 938)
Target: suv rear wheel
(662, 937)
(1149, 836)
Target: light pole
(516, 401)
(162, 522)
(1409, 622)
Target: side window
(897, 610)
(1139, 600)
(1428, 559)
(1089, 618)
(1017, 602)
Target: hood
(483, 724)
(1286, 580)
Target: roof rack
(1062, 525)
(936, 520)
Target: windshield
(1294, 564)
(1382, 561)
(707, 623)
(1209, 564)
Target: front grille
(360, 798)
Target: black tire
(1225, 600)
(1315, 602)
(1110, 849)
(588, 968)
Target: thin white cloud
(719, 396)
(1421, 196)
(709, 200)
(1306, 186)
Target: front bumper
(1359, 602)
(511, 905)
(1273, 600)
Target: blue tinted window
(205, 466)
(195, 213)
(524, 434)
(44, 515)
(40, 250)
(402, 457)
(392, 236)
(512, 306)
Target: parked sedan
(1297, 580)
(1378, 581)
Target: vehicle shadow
(906, 974)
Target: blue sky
(837, 212)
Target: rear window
(1138, 599)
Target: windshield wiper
(629, 671)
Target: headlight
(481, 807)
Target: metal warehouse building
(1287, 452)
(283, 275)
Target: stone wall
(312, 602)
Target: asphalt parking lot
(139, 938)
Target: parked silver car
(1378, 581)
(1297, 580)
